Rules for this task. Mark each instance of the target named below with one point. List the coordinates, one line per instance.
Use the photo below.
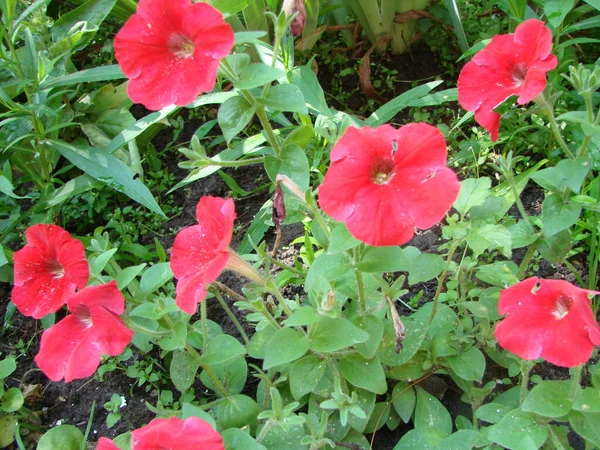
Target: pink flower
(511, 64)
(383, 182)
(74, 346)
(171, 50)
(176, 434)
(549, 319)
(48, 270)
(106, 444)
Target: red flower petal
(104, 295)
(170, 50)
(47, 270)
(383, 182)
(551, 319)
(176, 434)
(106, 444)
(511, 64)
(109, 332)
(200, 252)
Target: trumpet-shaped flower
(48, 270)
(511, 64)
(74, 346)
(550, 319)
(171, 49)
(176, 434)
(383, 182)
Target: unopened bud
(328, 302)
(278, 206)
(289, 184)
(291, 7)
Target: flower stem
(441, 280)
(575, 379)
(540, 100)
(526, 367)
(211, 374)
(204, 324)
(526, 259)
(361, 291)
(240, 163)
(275, 291)
(234, 319)
(590, 110)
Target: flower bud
(291, 7)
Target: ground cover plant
(420, 276)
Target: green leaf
(489, 237)
(234, 115)
(554, 249)
(374, 326)
(330, 267)
(257, 75)
(230, 6)
(404, 400)
(421, 439)
(567, 174)
(493, 412)
(101, 260)
(549, 398)
(519, 430)
(220, 349)
(468, 365)
(232, 374)
(500, 273)
(363, 373)
(415, 333)
(285, 346)
(7, 366)
(64, 437)
(558, 215)
(473, 192)
(305, 374)
(586, 425)
(236, 439)
(331, 334)
(461, 440)
(430, 413)
(305, 315)
(382, 259)
(93, 11)
(293, 163)
(189, 410)
(175, 340)
(557, 10)
(12, 400)
(237, 411)
(285, 97)
(307, 81)
(587, 400)
(8, 424)
(108, 169)
(155, 277)
(183, 369)
(341, 240)
(127, 275)
(425, 267)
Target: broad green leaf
(341, 240)
(282, 436)
(102, 260)
(155, 277)
(587, 400)
(92, 11)
(404, 400)
(236, 439)
(500, 273)
(555, 248)
(521, 233)
(7, 366)
(307, 81)
(430, 413)
(245, 37)
(461, 440)
(285, 346)
(558, 215)
(415, 333)
(489, 237)
(519, 430)
(363, 373)
(493, 412)
(230, 6)
(305, 374)
(237, 411)
(106, 168)
(557, 10)
(425, 267)
(221, 349)
(293, 163)
(8, 424)
(382, 259)
(285, 97)
(473, 192)
(586, 425)
(421, 439)
(12, 400)
(550, 398)
(234, 115)
(64, 437)
(567, 174)
(373, 325)
(331, 334)
(257, 75)
(468, 365)
(183, 369)
(127, 275)
(330, 267)
(232, 374)
(175, 340)
(305, 315)
(104, 73)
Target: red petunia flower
(74, 346)
(48, 270)
(106, 444)
(511, 64)
(176, 434)
(170, 50)
(549, 319)
(383, 182)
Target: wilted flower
(48, 270)
(550, 319)
(511, 64)
(171, 50)
(73, 348)
(383, 182)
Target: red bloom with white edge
(511, 64)
(550, 319)
(383, 182)
(201, 252)
(170, 50)
(48, 270)
(176, 434)
(74, 346)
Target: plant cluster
(340, 341)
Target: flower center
(55, 269)
(383, 170)
(82, 313)
(181, 46)
(519, 73)
(562, 307)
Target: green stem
(575, 272)
(361, 291)
(590, 110)
(554, 438)
(264, 120)
(211, 374)
(203, 315)
(234, 319)
(526, 367)
(575, 380)
(549, 110)
(526, 260)
(441, 280)
(240, 163)
(275, 291)
(138, 329)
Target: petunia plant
(364, 326)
